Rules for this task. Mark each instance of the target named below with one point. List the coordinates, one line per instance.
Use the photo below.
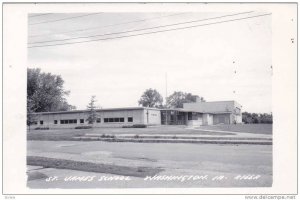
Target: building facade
(192, 114)
(221, 112)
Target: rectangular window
(55, 121)
(41, 122)
(190, 116)
(68, 121)
(110, 120)
(130, 119)
(81, 121)
(98, 120)
(72, 121)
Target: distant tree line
(255, 118)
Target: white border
(284, 55)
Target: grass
(91, 167)
(35, 175)
(177, 131)
(247, 128)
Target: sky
(223, 61)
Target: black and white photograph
(144, 99)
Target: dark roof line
(103, 109)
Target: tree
(151, 98)
(31, 118)
(177, 99)
(256, 118)
(92, 114)
(45, 92)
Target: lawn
(68, 134)
(247, 128)
(91, 167)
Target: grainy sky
(225, 61)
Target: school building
(192, 114)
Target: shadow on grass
(92, 167)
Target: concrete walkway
(237, 134)
(226, 138)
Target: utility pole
(166, 87)
(166, 97)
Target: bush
(107, 136)
(139, 126)
(135, 126)
(83, 127)
(42, 128)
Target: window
(130, 119)
(98, 120)
(41, 122)
(190, 116)
(68, 121)
(81, 121)
(117, 119)
(55, 121)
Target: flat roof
(212, 101)
(102, 109)
(179, 109)
(188, 110)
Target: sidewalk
(230, 138)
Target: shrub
(42, 128)
(135, 126)
(139, 126)
(83, 127)
(107, 136)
